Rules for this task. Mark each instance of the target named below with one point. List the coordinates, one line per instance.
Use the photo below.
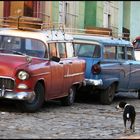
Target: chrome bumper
(94, 82)
(17, 96)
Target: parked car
(37, 65)
(136, 44)
(110, 66)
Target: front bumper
(94, 82)
(17, 96)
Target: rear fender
(108, 82)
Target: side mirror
(55, 58)
(133, 42)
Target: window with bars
(107, 14)
(68, 14)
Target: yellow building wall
(1, 7)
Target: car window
(76, 48)
(120, 52)
(34, 48)
(110, 52)
(87, 50)
(52, 49)
(70, 50)
(12, 44)
(61, 49)
(130, 53)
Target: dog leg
(132, 126)
(125, 126)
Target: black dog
(129, 114)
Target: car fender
(109, 81)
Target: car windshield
(87, 50)
(19, 45)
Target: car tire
(37, 102)
(69, 100)
(107, 95)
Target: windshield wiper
(16, 52)
(13, 51)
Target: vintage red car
(38, 65)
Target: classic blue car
(110, 65)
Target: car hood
(10, 63)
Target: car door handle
(70, 62)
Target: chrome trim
(18, 96)
(41, 74)
(7, 90)
(75, 74)
(133, 71)
(7, 77)
(94, 82)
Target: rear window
(87, 50)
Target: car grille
(6, 83)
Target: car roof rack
(97, 31)
(29, 23)
(90, 31)
(34, 23)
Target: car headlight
(23, 75)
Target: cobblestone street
(85, 119)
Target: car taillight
(96, 69)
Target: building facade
(122, 17)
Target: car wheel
(69, 100)
(107, 95)
(34, 104)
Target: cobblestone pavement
(86, 119)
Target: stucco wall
(55, 11)
(120, 18)
(99, 14)
(135, 19)
(114, 16)
(81, 15)
(90, 13)
(126, 14)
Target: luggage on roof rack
(28, 23)
(22, 22)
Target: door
(67, 65)
(124, 65)
(57, 73)
(134, 81)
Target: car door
(134, 79)
(67, 66)
(124, 68)
(57, 73)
